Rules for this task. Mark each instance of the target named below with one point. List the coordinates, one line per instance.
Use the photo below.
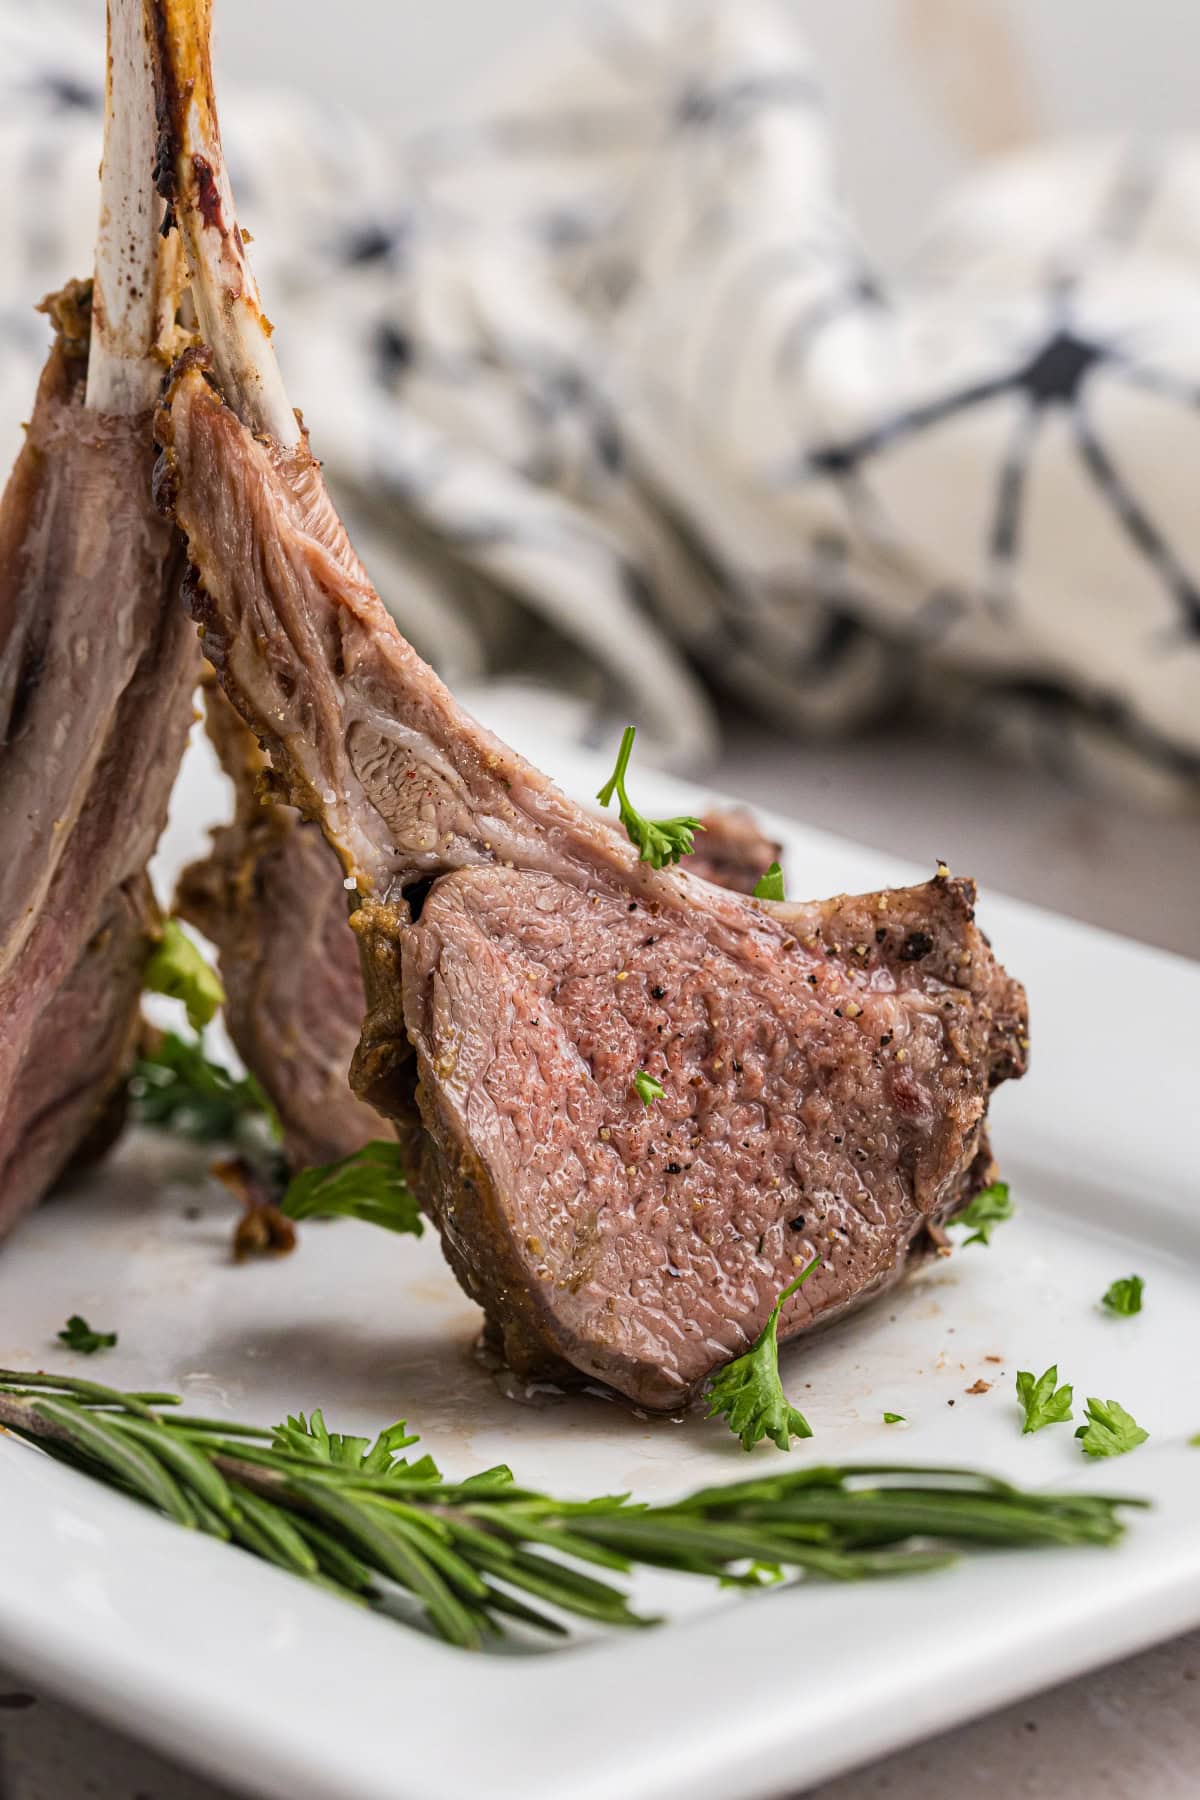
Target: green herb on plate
(987, 1210)
(78, 1335)
(894, 1419)
(1124, 1297)
(748, 1392)
(176, 1086)
(1044, 1402)
(468, 1558)
(369, 1184)
(1110, 1430)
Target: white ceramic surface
(283, 1691)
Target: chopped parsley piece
(649, 1090)
(1110, 1431)
(1124, 1297)
(176, 1087)
(659, 841)
(177, 969)
(369, 1184)
(987, 1210)
(770, 885)
(1045, 1403)
(894, 1419)
(748, 1391)
(78, 1335)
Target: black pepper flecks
(916, 945)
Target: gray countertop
(1126, 1732)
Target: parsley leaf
(78, 1335)
(894, 1419)
(1045, 1403)
(176, 968)
(769, 886)
(1124, 1297)
(987, 1210)
(176, 1087)
(369, 1184)
(1110, 1431)
(309, 1440)
(659, 841)
(748, 1391)
(648, 1088)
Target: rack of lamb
(825, 1067)
(96, 670)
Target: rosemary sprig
(363, 1520)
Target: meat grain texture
(96, 668)
(269, 896)
(826, 1067)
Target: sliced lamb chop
(825, 1067)
(95, 671)
(269, 895)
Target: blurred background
(816, 384)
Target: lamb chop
(825, 1067)
(269, 895)
(95, 670)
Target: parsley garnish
(659, 841)
(648, 1088)
(770, 885)
(894, 1419)
(78, 1335)
(309, 1440)
(987, 1210)
(748, 1391)
(1124, 1297)
(1110, 1431)
(369, 1184)
(177, 969)
(1045, 1403)
(176, 1087)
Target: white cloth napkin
(618, 407)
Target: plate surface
(281, 1690)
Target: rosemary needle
(362, 1519)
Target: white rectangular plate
(282, 1690)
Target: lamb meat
(95, 671)
(733, 851)
(826, 1067)
(269, 895)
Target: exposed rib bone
(137, 271)
(231, 318)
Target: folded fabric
(617, 404)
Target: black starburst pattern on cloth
(1054, 375)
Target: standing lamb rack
(95, 669)
(825, 1068)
